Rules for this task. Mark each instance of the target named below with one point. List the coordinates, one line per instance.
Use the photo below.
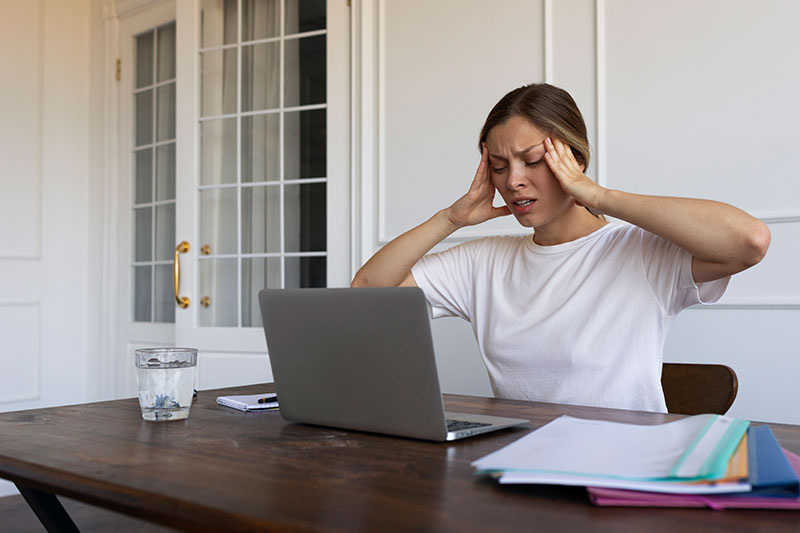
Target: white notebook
(250, 402)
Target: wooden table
(227, 470)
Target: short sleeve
(668, 269)
(446, 279)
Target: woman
(579, 311)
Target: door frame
(251, 340)
(128, 17)
(128, 334)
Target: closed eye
(498, 169)
(534, 163)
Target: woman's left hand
(570, 176)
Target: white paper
(599, 448)
(695, 458)
(669, 487)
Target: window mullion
(239, 167)
(153, 129)
(281, 138)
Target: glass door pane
(153, 208)
(263, 163)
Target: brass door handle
(182, 248)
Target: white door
(241, 151)
(44, 191)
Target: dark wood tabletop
(224, 469)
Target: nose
(516, 177)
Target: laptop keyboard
(458, 425)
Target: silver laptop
(361, 359)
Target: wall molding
(771, 217)
(779, 217)
(365, 128)
(124, 8)
(39, 164)
(381, 57)
(107, 328)
(600, 90)
(547, 22)
(749, 304)
(768, 217)
(377, 84)
(368, 45)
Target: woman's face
(521, 175)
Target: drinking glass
(165, 378)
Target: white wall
(44, 204)
(706, 105)
(689, 98)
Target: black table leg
(48, 509)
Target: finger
(551, 150)
(485, 183)
(551, 156)
(500, 211)
(562, 150)
(557, 167)
(569, 158)
(563, 157)
(483, 170)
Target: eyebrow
(521, 152)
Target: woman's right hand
(477, 205)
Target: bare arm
(391, 265)
(722, 239)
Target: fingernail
(549, 141)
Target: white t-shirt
(582, 322)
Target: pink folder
(631, 498)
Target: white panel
(574, 61)
(702, 99)
(19, 352)
(45, 153)
(760, 345)
(446, 64)
(775, 279)
(216, 370)
(20, 129)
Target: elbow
(758, 240)
(360, 280)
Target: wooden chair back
(693, 389)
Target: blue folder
(770, 471)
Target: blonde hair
(550, 109)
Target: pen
(268, 399)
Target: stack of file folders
(699, 461)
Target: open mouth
(523, 206)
